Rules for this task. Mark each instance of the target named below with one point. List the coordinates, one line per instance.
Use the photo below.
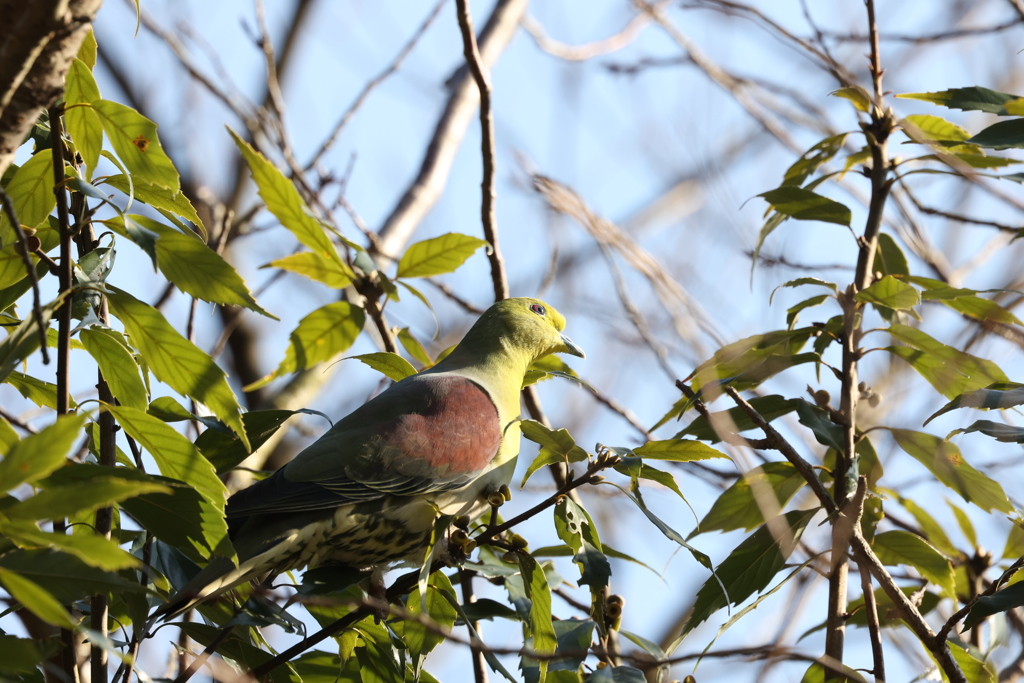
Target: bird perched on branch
(368, 492)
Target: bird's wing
(427, 433)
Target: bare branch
(581, 53)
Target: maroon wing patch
(457, 431)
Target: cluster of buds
(613, 611)
(868, 394)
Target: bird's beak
(570, 347)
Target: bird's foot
(378, 594)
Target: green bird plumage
(367, 493)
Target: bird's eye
(538, 309)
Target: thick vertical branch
(64, 275)
(487, 213)
(876, 133)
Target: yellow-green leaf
(31, 193)
(951, 371)
(902, 547)
(95, 551)
(35, 599)
(84, 124)
(175, 360)
(284, 202)
(677, 450)
(413, 346)
(320, 336)
(937, 128)
(857, 95)
(391, 365)
(891, 293)
(158, 197)
(135, 140)
(332, 272)
(37, 455)
(117, 365)
(437, 255)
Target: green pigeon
(367, 493)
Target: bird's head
(529, 327)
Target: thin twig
(581, 53)
(488, 214)
(198, 662)
(479, 664)
(391, 68)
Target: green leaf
(391, 365)
(995, 396)
(774, 221)
(737, 507)
(678, 450)
(857, 95)
(94, 551)
(43, 394)
(891, 293)
(175, 360)
(793, 313)
(539, 594)
(933, 531)
(826, 432)
(814, 157)
(159, 198)
(997, 430)
(805, 205)
(801, 281)
(1006, 599)
(437, 255)
(31, 193)
(56, 501)
(943, 459)
(117, 364)
(576, 529)
(65, 576)
(965, 524)
(37, 455)
(902, 547)
(416, 637)
(319, 337)
(22, 340)
(750, 567)
(1001, 135)
(334, 273)
(974, 98)
(35, 599)
(975, 671)
(176, 456)
(937, 128)
(225, 451)
(413, 347)
(84, 124)
(87, 51)
(770, 407)
(284, 202)
(135, 141)
(746, 363)
(558, 441)
(950, 371)
(196, 269)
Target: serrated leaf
(750, 567)
(437, 255)
(284, 202)
(117, 364)
(800, 281)
(950, 371)
(176, 456)
(158, 197)
(855, 94)
(37, 455)
(737, 507)
(31, 193)
(558, 441)
(332, 272)
(320, 336)
(56, 501)
(770, 407)
(43, 394)
(1001, 135)
(391, 365)
(175, 360)
(944, 460)
(225, 451)
(814, 157)
(678, 450)
(891, 293)
(804, 205)
(35, 599)
(84, 124)
(1005, 599)
(902, 547)
(974, 98)
(135, 140)
(974, 670)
